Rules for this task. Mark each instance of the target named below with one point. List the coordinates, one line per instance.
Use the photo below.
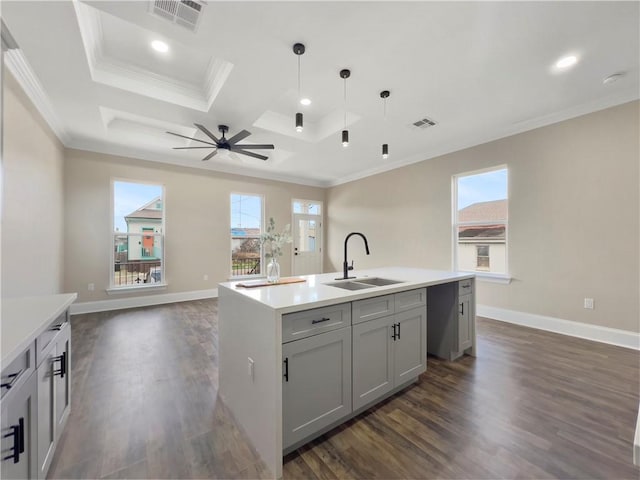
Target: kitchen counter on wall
(288, 352)
(23, 319)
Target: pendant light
(298, 49)
(344, 74)
(385, 147)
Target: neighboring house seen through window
(246, 227)
(480, 221)
(138, 234)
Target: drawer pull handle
(462, 309)
(398, 330)
(17, 432)
(466, 286)
(13, 377)
(63, 364)
(57, 327)
(323, 319)
(394, 336)
(286, 369)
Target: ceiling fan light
(299, 124)
(385, 151)
(345, 138)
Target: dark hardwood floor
(532, 405)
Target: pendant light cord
(345, 103)
(298, 77)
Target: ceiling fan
(230, 144)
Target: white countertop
(23, 319)
(314, 293)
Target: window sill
(500, 278)
(137, 288)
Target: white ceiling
(482, 70)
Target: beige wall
(32, 203)
(573, 217)
(197, 208)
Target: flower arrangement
(273, 241)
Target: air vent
(424, 123)
(182, 12)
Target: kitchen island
(296, 360)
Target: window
(480, 214)
(138, 238)
(307, 207)
(246, 228)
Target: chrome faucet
(345, 266)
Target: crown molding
(620, 98)
(17, 64)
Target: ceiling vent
(182, 12)
(423, 123)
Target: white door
(307, 244)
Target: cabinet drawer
(370, 308)
(411, 299)
(46, 337)
(21, 368)
(312, 322)
(465, 287)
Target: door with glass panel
(307, 237)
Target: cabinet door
(410, 346)
(62, 375)
(316, 384)
(19, 432)
(46, 410)
(465, 329)
(372, 360)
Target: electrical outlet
(250, 365)
(205, 277)
(91, 287)
(588, 303)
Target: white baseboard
(145, 301)
(612, 336)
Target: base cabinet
(387, 352)
(62, 377)
(316, 383)
(451, 319)
(20, 431)
(46, 410)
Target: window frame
(455, 224)
(113, 288)
(262, 226)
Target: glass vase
(273, 270)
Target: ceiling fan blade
(191, 138)
(210, 155)
(257, 146)
(250, 154)
(188, 148)
(204, 130)
(238, 136)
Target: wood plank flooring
(532, 405)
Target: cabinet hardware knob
(13, 377)
(323, 319)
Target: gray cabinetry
(316, 385)
(62, 378)
(388, 351)
(451, 319)
(20, 430)
(372, 360)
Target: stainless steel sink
(376, 281)
(350, 285)
(362, 283)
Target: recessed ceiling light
(305, 101)
(160, 46)
(566, 62)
